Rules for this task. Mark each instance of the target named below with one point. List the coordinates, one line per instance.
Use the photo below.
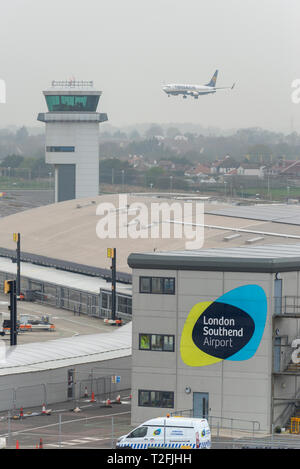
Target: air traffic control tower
(72, 138)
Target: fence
(63, 430)
(14, 398)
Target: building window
(71, 103)
(157, 342)
(145, 284)
(156, 399)
(157, 285)
(53, 149)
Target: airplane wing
(226, 87)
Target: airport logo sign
(229, 328)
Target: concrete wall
(239, 390)
(85, 137)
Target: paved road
(95, 426)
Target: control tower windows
(72, 103)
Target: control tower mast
(72, 137)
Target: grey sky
(129, 47)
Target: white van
(168, 432)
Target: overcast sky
(130, 47)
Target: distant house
(292, 169)
(198, 171)
(167, 165)
(224, 166)
(282, 167)
(251, 169)
(181, 138)
(137, 162)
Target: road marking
(77, 442)
(68, 443)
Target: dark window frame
(60, 149)
(164, 291)
(150, 334)
(160, 400)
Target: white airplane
(195, 90)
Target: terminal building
(215, 332)
(72, 138)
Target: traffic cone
(41, 444)
(43, 409)
(93, 397)
(17, 444)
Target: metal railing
(224, 423)
(289, 304)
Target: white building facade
(214, 332)
(72, 138)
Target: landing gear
(184, 97)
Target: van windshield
(138, 433)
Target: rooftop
(270, 259)
(61, 278)
(67, 230)
(58, 353)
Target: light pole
(50, 174)
(123, 179)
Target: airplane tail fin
(213, 81)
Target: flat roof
(267, 258)
(279, 213)
(41, 356)
(65, 279)
(67, 230)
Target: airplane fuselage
(194, 90)
(188, 90)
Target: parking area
(18, 200)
